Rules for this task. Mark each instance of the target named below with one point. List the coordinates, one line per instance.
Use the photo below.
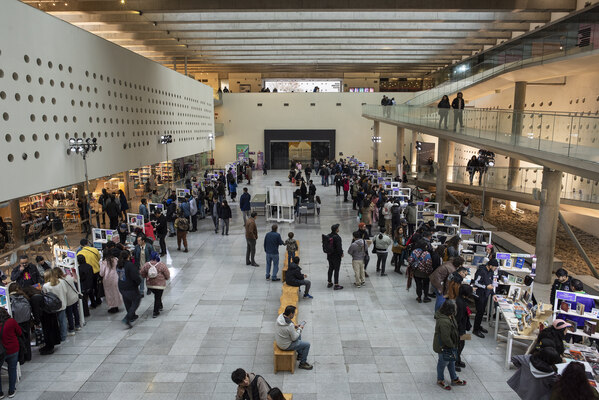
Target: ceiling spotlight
(122, 1)
(418, 145)
(211, 136)
(165, 139)
(376, 139)
(154, 23)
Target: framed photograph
(515, 293)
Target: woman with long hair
(275, 394)
(124, 204)
(110, 278)
(453, 246)
(72, 310)
(57, 286)
(10, 330)
(48, 321)
(21, 310)
(445, 343)
(573, 384)
(399, 248)
(157, 274)
(129, 281)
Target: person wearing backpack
(9, 351)
(21, 311)
(182, 226)
(59, 288)
(129, 281)
(250, 386)
(332, 246)
(157, 273)
(44, 317)
(141, 255)
(420, 267)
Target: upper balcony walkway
(562, 141)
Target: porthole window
(26, 58)
(36, 154)
(11, 158)
(39, 62)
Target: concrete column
(451, 161)
(488, 205)
(126, 178)
(414, 153)
(375, 145)
(443, 156)
(547, 224)
(399, 143)
(15, 217)
(519, 100)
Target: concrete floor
(374, 342)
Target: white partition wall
(59, 82)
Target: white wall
(245, 122)
(118, 97)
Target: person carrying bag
(445, 343)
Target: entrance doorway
(283, 146)
(279, 155)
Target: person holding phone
(289, 336)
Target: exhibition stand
(279, 204)
(425, 211)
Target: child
(317, 198)
(291, 247)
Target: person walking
(110, 279)
(381, 243)
(334, 251)
(182, 226)
(161, 230)
(458, 109)
(215, 210)
(129, 281)
(171, 216)
(251, 235)
(443, 107)
(157, 273)
(272, 241)
(141, 255)
(472, 168)
(445, 344)
(358, 251)
(224, 213)
(244, 204)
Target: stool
(284, 360)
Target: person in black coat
(224, 213)
(443, 107)
(463, 320)
(562, 282)
(86, 279)
(294, 277)
(26, 273)
(334, 258)
(161, 230)
(129, 281)
(458, 108)
(483, 281)
(48, 321)
(171, 214)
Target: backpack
(183, 224)
(152, 271)
(418, 261)
(51, 303)
(327, 244)
(21, 309)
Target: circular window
(70, 69)
(5, 116)
(11, 158)
(22, 138)
(50, 65)
(57, 136)
(46, 137)
(26, 58)
(36, 154)
(60, 67)
(7, 137)
(2, 95)
(38, 61)
(24, 155)
(17, 97)
(28, 78)
(34, 137)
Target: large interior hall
(299, 200)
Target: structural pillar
(547, 224)
(451, 161)
(399, 143)
(442, 158)
(414, 152)
(15, 217)
(513, 175)
(488, 205)
(375, 145)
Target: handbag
(447, 355)
(78, 294)
(366, 255)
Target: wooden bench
(284, 360)
(288, 396)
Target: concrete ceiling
(393, 37)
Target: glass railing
(571, 35)
(568, 134)
(525, 180)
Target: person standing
(113, 211)
(10, 331)
(161, 230)
(129, 281)
(483, 282)
(21, 310)
(458, 109)
(463, 320)
(358, 251)
(443, 107)
(193, 213)
(345, 184)
(59, 288)
(215, 210)
(171, 216)
(124, 203)
(92, 257)
(272, 241)
(141, 255)
(182, 226)
(248, 174)
(157, 273)
(445, 343)
(251, 235)
(472, 168)
(438, 279)
(387, 215)
(334, 256)
(381, 244)
(110, 279)
(244, 204)
(26, 274)
(224, 213)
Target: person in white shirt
(387, 215)
(381, 243)
(58, 287)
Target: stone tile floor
(367, 343)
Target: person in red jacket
(10, 329)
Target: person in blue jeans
(288, 336)
(445, 343)
(438, 278)
(272, 241)
(10, 330)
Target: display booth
(587, 355)
(474, 243)
(181, 193)
(135, 221)
(103, 236)
(66, 260)
(448, 223)
(425, 211)
(397, 192)
(571, 308)
(279, 204)
(155, 206)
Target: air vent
(259, 104)
(312, 104)
(338, 104)
(285, 104)
(363, 104)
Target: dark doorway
(279, 155)
(320, 150)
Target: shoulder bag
(447, 355)
(74, 290)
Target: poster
(4, 298)
(242, 151)
(64, 257)
(154, 207)
(103, 235)
(135, 221)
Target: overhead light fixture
(154, 23)
(164, 139)
(418, 145)
(122, 1)
(376, 139)
(210, 136)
